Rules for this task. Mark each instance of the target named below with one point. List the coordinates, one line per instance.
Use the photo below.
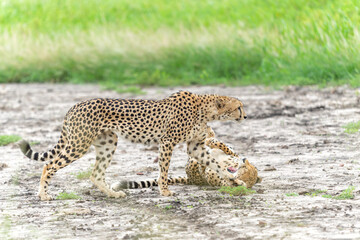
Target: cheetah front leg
(213, 143)
(166, 149)
(216, 144)
(105, 146)
(195, 172)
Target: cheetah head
(244, 173)
(248, 174)
(228, 108)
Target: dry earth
(294, 137)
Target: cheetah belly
(138, 138)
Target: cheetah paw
(240, 183)
(167, 193)
(119, 194)
(45, 197)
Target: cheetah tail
(133, 184)
(178, 180)
(40, 156)
(146, 184)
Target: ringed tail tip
(25, 147)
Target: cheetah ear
(220, 103)
(259, 180)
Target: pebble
(270, 169)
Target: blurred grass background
(165, 43)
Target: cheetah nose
(245, 117)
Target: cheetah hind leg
(105, 146)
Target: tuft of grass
(5, 226)
(168, 207)
(327, 196)
(292, 194)
(66, 196)
(346, 194)
(236, 191)
(7, 139)
(316, 193)
(81, 175)
(352, 127)
(15, 179)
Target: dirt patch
(2, 166)
(294, 137)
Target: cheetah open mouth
(232, 169)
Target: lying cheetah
(182, 117)
(196, 174)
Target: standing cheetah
(182, 117)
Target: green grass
(81, 175)
(236, 191)
(316, 192)
(346, 194)
(352, 127)
(168, 207)
(15, 179)
(66, 196)
(166, 43)
(7, 139)
(291, 194)
(5, 226)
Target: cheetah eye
(240, 110)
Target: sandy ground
(294, 136)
